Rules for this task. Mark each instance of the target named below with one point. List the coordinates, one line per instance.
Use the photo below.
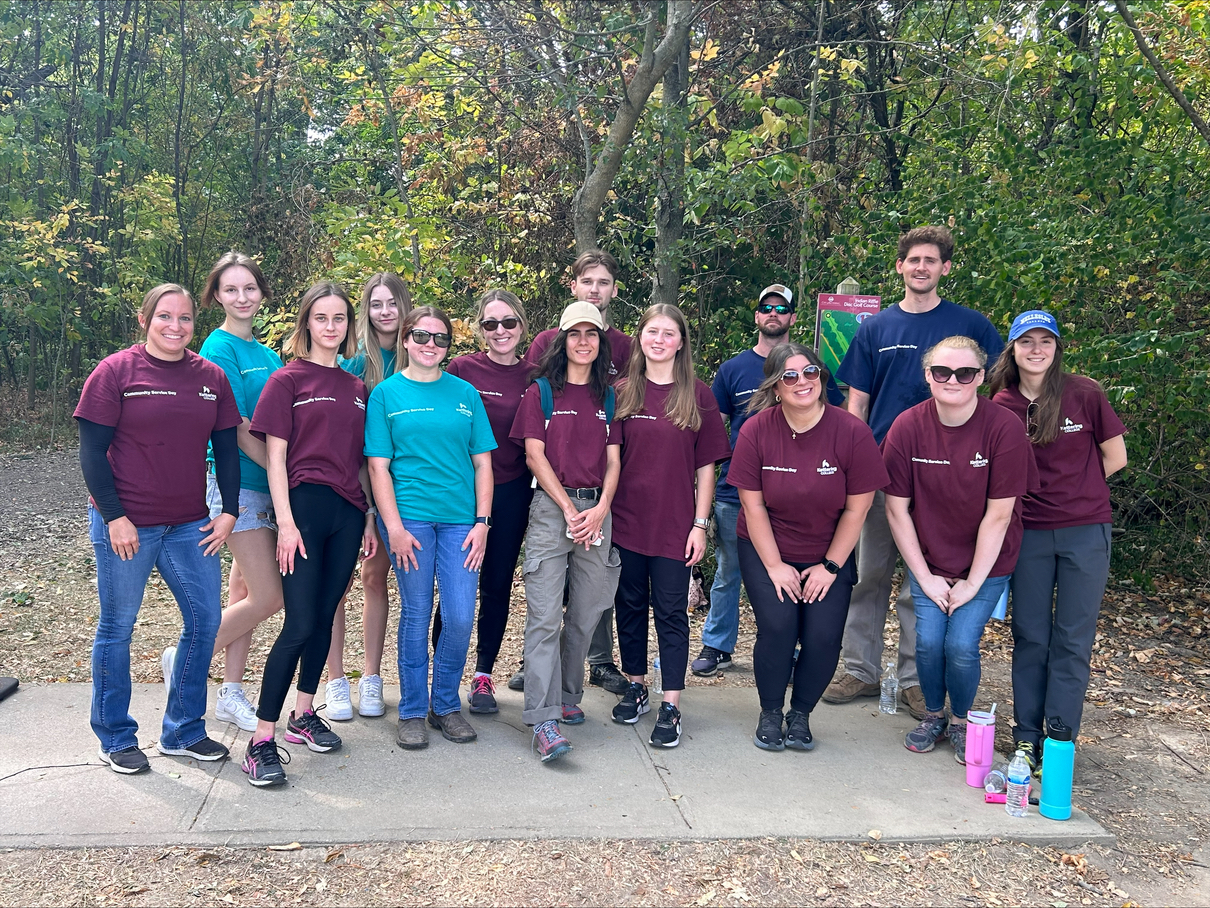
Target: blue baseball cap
(1034, 318)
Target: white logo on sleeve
(1069, 426)
(361, 404)
(207, 394)
(980, 460)
(825, 469)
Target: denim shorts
(255, 508)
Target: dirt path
(1143, 747)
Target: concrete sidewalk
(716, 784)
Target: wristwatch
(702, 522)
(831, 566)
(372, 511)
(486, 521)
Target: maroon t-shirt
(501, 388)
(654, 505)
(1072, 488)
(321, 413)
(950, 472)
(805, 478)
(619, 350)
(576, 437)
(162, 414)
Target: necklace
(795, 432)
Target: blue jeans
(441, 557)
(947, 646)
(722, 624)
(195, 580)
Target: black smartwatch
(830, 566)
(487, 522)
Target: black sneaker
(206, 750)
(313, 731)
(1033, 756)
(262, 763)
(632, 705)
(768, 730)
(798, 731)
(517, 681)
(606, 675)
(667, 731)
(129, 761)
(710, 661)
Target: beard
(773, 330)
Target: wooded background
(713, 147)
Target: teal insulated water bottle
(1058, 763)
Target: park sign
(837, 317)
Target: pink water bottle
(980, 746)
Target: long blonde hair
(374, 370)
(681, 408)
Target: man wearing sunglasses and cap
(736, 381)
(883, 371)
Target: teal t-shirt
(429, 430)
(357, 364)
(247, 365)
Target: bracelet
(372, 511)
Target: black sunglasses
(791, 376)
(440, 338)
(1031, 419)
(780, 308)
(965, 375)
(491, 324)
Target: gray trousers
(600, 650)
(1057, 589)
(556, 637)
(877, 556)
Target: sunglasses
(440, 338)
(780, 309)
(1031, 419)
(791, 376)
(965, 375)
(491, 324)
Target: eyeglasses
(965, 375)
(491, 324)
(1031, 418)
(791, 376)
(440, 338)
(780, 309)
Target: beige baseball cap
(778, 290)
(579, 312)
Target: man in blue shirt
(885, 376)
(737, 378)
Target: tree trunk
(670, 200)
(30, 385)
(655, 60)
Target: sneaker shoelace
(483, 685)
(545, 735)
(311, 723)
(267, 753)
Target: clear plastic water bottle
(996, 780)
(1016, 798)
(657, 682)
(888, 701)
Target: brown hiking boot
(412, 735)
(848, 687)
(453, 727)
(913, 700)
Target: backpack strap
(611, 400)
(547, 396)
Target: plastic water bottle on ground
(1016, 798)
(996, 780)
(657, 682)
(888, 701)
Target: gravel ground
(1143, 746)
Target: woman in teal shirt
(385, 303)
(429, 444)
(237, 283)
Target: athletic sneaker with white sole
(369, 697)
(339, 700)
(127, 761)
(233, 706)
(206, 750)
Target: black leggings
(664, 584)
(781, 625)
(510, 517)
(331, 530)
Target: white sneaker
(369, 696)
(233, 706)
(168, 664)
(336, 696)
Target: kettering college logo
(980, 460)
(826, 469)
(465, 410)
(1069, 426)
(361, 404)
(207, 394)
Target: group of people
(599, 452)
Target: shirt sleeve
(1010, 463)
(744, 472)
(221, 356)
(274, 413)
(711, 444)
(229, 415)
(529, 422)
(992, 342)
(101, 398)
(482, 438)
(1107, 422)
(722, 390)
(897, 461)
(857, 368)
(865, 471)
(378, 431)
